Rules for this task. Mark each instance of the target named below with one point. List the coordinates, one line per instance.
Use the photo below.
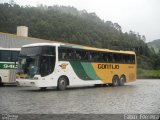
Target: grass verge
(148, 74)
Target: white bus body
(44, 65)
(8, 64)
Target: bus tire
(1, 84)
(62, 83)
(98, 85)
(115, 81)
(109, 84)
(122, 80)
(43, 88)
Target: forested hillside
(155, 44)
(67, 24)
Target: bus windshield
(37, 61)
(29, 65)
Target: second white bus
(8, 65)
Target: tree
(117, 27)
(67, 24)
(144, 38)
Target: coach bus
(56, 64)
(8, 64)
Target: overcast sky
(141, 16)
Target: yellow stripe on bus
(106, 71)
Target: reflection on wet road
(142, 96)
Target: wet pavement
(142, 96)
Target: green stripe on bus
(7, 66)
(79, 70)
(90, 71)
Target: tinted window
(31, 51)
(47, 62)
(15, 55)
(40, 50)
(49, 50)
(74, 54)
(5, 55)
(94, 56)
(9, 56)
(129, 59)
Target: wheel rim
(62, 83)
(122, 80)
(115, 81)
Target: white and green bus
(57, 64)
(8, 64)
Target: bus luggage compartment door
(12, 76)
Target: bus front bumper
(34, 83)
(26, 82)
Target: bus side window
(109, 57)
(123, 58)
(88, 56)
(82, 54)
(133, 59)
(69, 55)
(60, 51)
(100, 57)
(112, 57)
(14, 56)
(62, 54)
(130, 59)
(105, 57)
(95, 56)
(6, 55)
(118, 58)
(127, 59)
(115, 57)
(78, 55)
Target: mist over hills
(155, 44)
(67, 24)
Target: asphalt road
(140, 97)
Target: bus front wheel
(62, 83)
(115, 81)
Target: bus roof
(14, 49)
(68, 45)
(41, 44)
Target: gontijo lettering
(108, 66)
